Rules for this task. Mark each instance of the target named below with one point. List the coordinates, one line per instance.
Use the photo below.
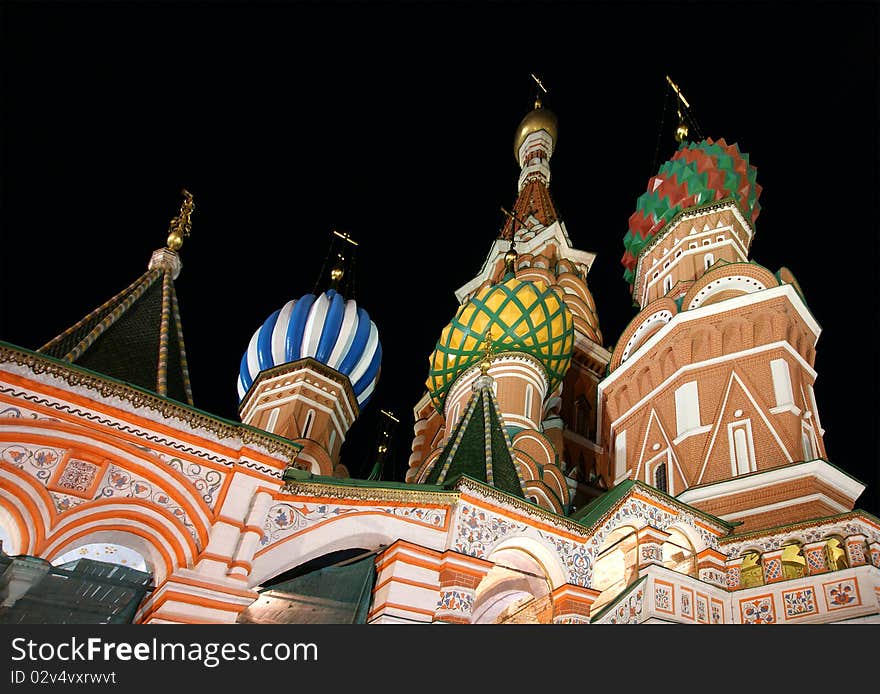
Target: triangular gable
(738, 395)
(653, 431)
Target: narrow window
(528, 407)
(331, 442)
(660, 477)
(708, 260)
(741, 451)
(807, 443)
(667, 284)
(307, 428)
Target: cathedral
(677, 475)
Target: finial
(511, 255)
(681, 132)
(684, 114)
(181, 225)
(537, 92)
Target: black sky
(395, 123)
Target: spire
(480, 446)
(387, 425)
(137, 335)
(533, 146)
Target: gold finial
(537, 93)
(487, 353)
(181, 226)
(681, 132)
(338, 271)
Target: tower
(710, 393)
(310, 368)
(531, 301)
(137, 335)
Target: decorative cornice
(106, 387)
(856, 514)
(345, 491)
(478, 489)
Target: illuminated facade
(679, 477)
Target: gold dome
(538, 119)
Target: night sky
(395, 123)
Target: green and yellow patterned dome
(517, 316)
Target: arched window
(616, 565)
(528, 404)
(751, 572)
(793, 562)
(307, 427)
(107, 552)
(679, 554)
(660, 477)
(667, 283)
(708, 259)
(835, 554)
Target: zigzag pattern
(697, 174)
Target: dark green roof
(479, 446)
(135, 337)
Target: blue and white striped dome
(327, 328)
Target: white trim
(837, 506)
(790, 407)
(554, 232)
(273, 420)
(691, 432)
(785, 290)
(820, 469)
(731, 442)
(686, 368)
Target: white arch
(368, 530)
(545, 555)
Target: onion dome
(537, 119)
(326, 328)
(697, 174)
(516, 316)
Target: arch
(367, 529)
(140, 538)
(793, 562)
(678, 552)
(166, 531)
(517, 581)
(108, 552)
(15, 538)
(751, 571)
(835, 553)
(616, 565)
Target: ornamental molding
(290, 516)
(853, 523)
(170, 412)
(343, 492)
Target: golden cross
(539, 83)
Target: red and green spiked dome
(517, 316)
(697, 174)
